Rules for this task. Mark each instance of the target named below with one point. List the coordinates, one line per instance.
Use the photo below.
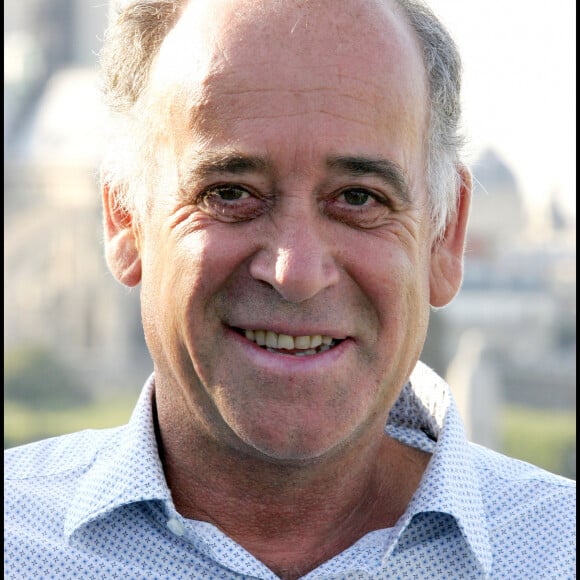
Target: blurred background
(74, 353)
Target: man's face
(290, 208)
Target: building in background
(58, 291)
(509, 336)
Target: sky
(519, 59)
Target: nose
(298, 261)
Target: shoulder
(530, 513)
(55, 456)
(41, 480)
(498, 471)
(509, 485)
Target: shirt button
(176, 526)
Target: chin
(297, 448)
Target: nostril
(298, 270)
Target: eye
(361, 198)
(230, 203)
(356, 196)
(358, 207)
(229, 192)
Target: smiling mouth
(290, 345)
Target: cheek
(194, 261)
(387, 273)
(208, 259)
(396, 286)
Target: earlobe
(446, 272)
(121, 247)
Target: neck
(292, 516)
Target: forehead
(351, 59)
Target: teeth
(285, 341)
(271, 339)
(307, 344)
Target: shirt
(95, 504)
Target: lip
(287, 363)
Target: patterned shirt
(95, 504)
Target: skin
(290, 196)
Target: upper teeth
(287, 342)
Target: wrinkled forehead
(291, 43)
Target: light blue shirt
(95, 504)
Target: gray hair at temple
(136, 31)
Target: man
(284, 183)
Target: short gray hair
(133, 39)
(135, 33)
(445, 141)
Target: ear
(121, 243)
(446, 272)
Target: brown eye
(230, 193)
(356, 196)
(358, 207)
(231, 203)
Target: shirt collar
(104, 488)
(450, 484)
(426, 406)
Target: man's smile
(286, 355)
(306, 345)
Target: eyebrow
(387, 171)
(209, 163)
